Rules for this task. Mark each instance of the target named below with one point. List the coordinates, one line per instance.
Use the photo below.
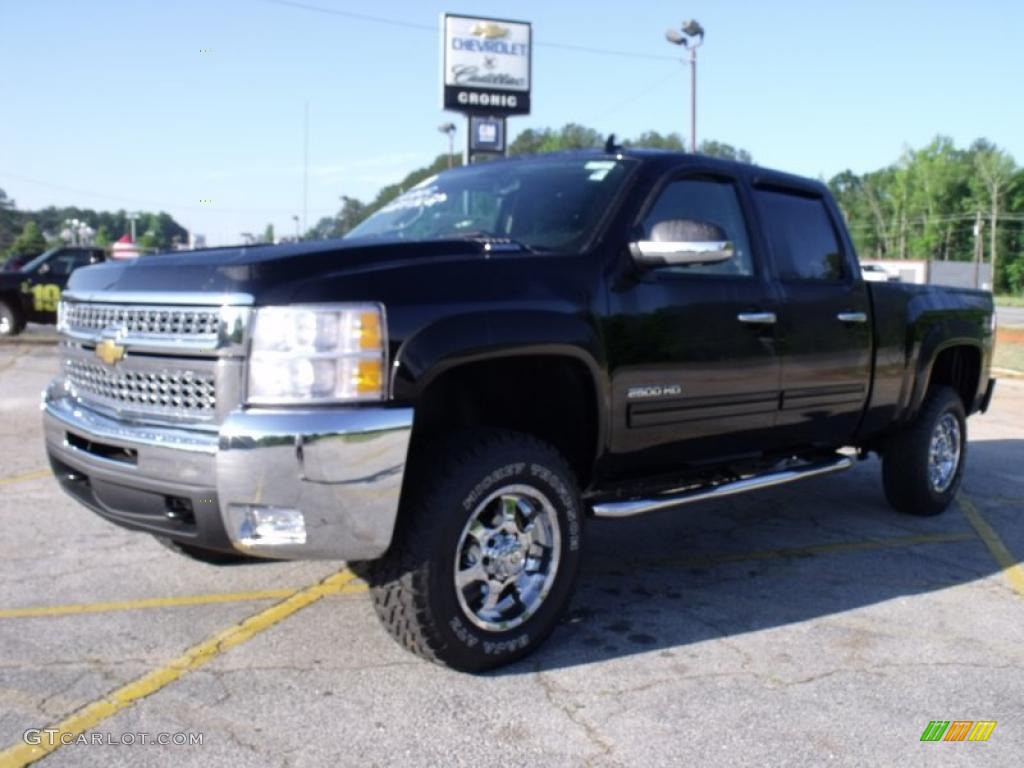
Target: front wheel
(923, 465)
(485, 554)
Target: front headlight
(318, 354)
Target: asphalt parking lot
(807, 625)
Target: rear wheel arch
(955, 364)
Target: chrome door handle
(852, 317)
(756, 318)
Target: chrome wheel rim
(507, 558)
(5, 325)
(944, 453)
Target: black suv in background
(31, 294)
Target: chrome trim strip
(852, 317)
(161, 298)
(704, 493)
(229, 340)
(757, 318)
(58, 403)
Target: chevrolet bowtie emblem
(109, 351)
(489, 31)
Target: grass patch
(1009, 301)
(1009, 355)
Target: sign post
(486, 75)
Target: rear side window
(802, 237)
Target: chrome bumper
(341, 468)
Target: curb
(30, 340)
(1008, 373)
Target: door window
(802, 237)
(709, 200)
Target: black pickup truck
(31, 292)
(444, 397)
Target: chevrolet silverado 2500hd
(444, 396)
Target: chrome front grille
(147, 321)
(179, 363)
(165, 390)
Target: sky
(113, 104)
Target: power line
(433, 28)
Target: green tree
(995, 169)
(268, 234)
(655, 140)
(30, 242)
(9, 222)
(723, 150)
(102, 238)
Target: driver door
(692, 350)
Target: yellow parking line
(151, 602)
(35, 474)
(1004, 558)
(92, 714)
(701, 561)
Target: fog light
(257, 525)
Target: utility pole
(132, 217)
(305, 168)
(979, 247)
(691, 37)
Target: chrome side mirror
(683, 242)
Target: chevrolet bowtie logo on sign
(958, 730)
(490, 31)
(109, 351)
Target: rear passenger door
(824, 318)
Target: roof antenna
(610, 147)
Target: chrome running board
(721, 490)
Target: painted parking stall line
(92, 714)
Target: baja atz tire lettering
(506, 646)
(563, 496)
(489, 481)
(462, 633)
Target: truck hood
(262, 271)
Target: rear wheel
(923, 465)
(485, 554)
(11, 323)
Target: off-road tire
(209, 556)
(11, 321)
(905, 460)
(413, 585)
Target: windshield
(544, 203)
(34, 264)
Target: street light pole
(297, 235)
(691, 37)
(449, 128)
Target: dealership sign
(486, 65)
